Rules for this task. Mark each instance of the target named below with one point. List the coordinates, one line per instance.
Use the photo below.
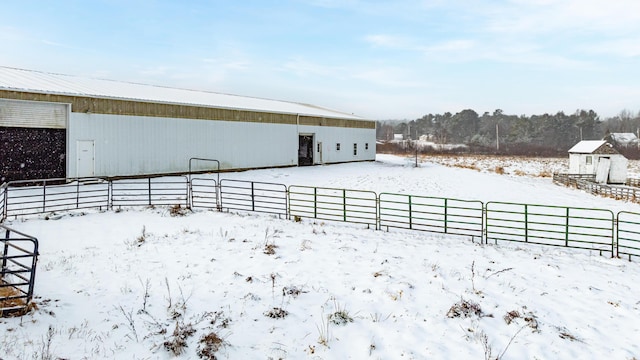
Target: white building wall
(618, 170)
(575, 160)
(135, 145)
(346, 137)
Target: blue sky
(378, 59)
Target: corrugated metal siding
(330, 136)
(134, 145)
(80, 104)
(33, 114)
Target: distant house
(599, 158)
(622, 140)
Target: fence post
(149, 188)
(315, 202)
(344, 205)
(445, 215)
(526, 223)
(4, 254)
(44, 197)
(614, 235)
(77, 193)
(253, 201)
(410, 214)
(566, 230)
(110, 195)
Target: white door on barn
(86, 157)
(602, 173)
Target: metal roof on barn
(593, 147)
(14, 79)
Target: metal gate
(17, 275)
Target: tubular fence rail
(354, 206)
(628, 234)
(580, 228)
(254, 196)
(17, 275)
(630, 192)
(632, 182)
(448, 216)
(590, 229)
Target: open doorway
(305, 150)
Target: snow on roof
(624, 138)
(587, 146)
(42, 82)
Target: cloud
(532, 17)
(625, 47)
(305, 68)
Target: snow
(116, 284)
(586, 146)
(28, 80)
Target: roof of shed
(587, 146)
(42, 82)
(593, 147)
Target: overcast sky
(378, 59)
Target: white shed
(599, 158)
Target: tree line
(500, 133)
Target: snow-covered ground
(139, 283)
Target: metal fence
(442, 215)
(354, 206)
(3, 194)
(150, 191)
(204, 193)
(628, 234)
(29, 197)
(590, 229)
(17, 274)
(587, 182)
(254, 196)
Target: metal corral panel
(330, 137)
(135, 145)
(33, 114)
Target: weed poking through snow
(465, 308)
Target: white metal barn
(54, 125)
(599, 158)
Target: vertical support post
(149, 189)
(344, 205)
(110, 195)
(218, 190)
(614, 238)
(5, 254)
(566, 229)
(315, 202)
(5, 194)
(77, 193)
(445, 215)
(410, 214)
(253, 202)
(44, 196)
(526, 223)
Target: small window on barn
(355, 149)
(589, 160)
(338, 146)
(366, 146)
